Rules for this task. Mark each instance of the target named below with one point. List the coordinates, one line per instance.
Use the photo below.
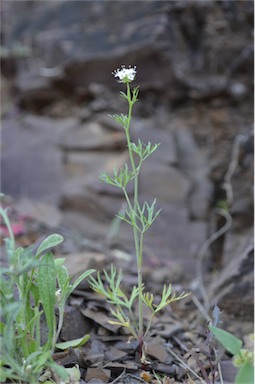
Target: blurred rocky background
(195, 71)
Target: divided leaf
(143, 150)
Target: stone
(166, 183)
(92, 230)
(172, 274)
(90, 54)
(77, 263)
(35, 175)
(37, 100)
(203, 87)
(75, 325)
(45, 213)
(174, 237)
(77, 197)
(233, 288)
(91, 136)
(229, 371)
(242, 207)
(237, 90)
(174, 43)
(196, 167)
(156, 131)
(98, 375)
(30, 81)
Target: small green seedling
(32, 285)
(140, 217)
(243, 358)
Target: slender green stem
(132, 330)
(138, 244)
(37, 328)
(149, 325)
(11, 251)
(140, 259)
(24, 344)
(140, 302)
(140, 285)
(127, 199)
(134, 320)
(8, 225)
(130, 108)
(60, 325)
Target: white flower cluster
(125, 75)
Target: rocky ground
(194, 63)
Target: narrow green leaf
(13, 310)
(49, 242)
(9, 361)
(59, 261)
(245, 374)
(231, 343)
(73, 343)
(63, 277)
(47, 289)
(2, 325)
(38, 360)
(35, 292)
(3, 377)
(80, 279)
(18, 253)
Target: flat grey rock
(31, 161)
(91, 136)
(196, 166)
